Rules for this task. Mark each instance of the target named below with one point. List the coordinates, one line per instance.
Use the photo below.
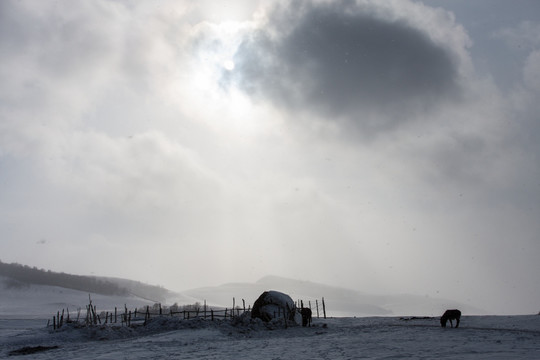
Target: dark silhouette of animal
(306, 316)
(451, 315)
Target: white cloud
(531, 71)
(525, 36)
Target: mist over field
(39, 292)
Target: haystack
(273, 305)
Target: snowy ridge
(42, 301)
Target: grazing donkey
(306, 316)
(451, 315)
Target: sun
(228, 65)
(202, 85)
(199, 88)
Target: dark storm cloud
(339, 61)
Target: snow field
(479, 337)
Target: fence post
(317, 305)
(323, 308)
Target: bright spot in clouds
(228, 65)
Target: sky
(383, 146)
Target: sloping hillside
(42, 301)
(17, 276)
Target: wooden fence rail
(129, 318)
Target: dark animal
(450, 315)
(306, 316)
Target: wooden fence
(138, 317)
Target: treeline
(154, 293)
(32, 275)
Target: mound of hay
(273, 305)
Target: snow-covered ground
(478, 337)
(24, 313)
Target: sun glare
(228, 65)
(214, 59)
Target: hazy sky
(384, 146)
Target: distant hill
(154, 293)
(339, 301)
(17, 275)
